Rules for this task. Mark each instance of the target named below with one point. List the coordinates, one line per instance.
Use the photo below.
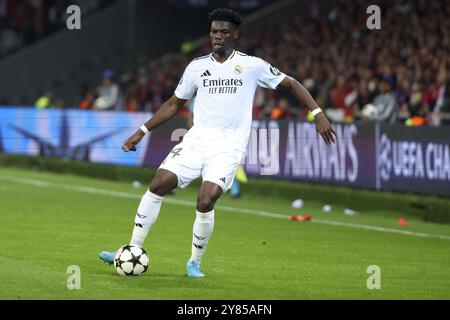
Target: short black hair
(223, 14)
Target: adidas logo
(205, 74)
(199, 238)
(197, 246)
(222, 179)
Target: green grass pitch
(50, 222)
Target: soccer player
(224, 82)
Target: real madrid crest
(238, 69)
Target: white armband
(144, 129)
(316, 111)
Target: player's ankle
(195, 259)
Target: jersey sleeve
(186, 87)
(268, 76)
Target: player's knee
(160, 187)
(205, 203)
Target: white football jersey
(224, 97)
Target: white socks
(203, 227)
(146, 216)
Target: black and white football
(131, 260)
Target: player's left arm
(322, 124)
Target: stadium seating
(25, 22)
(342, 64)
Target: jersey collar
(229, 58)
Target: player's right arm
(167, 110)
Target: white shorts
(188, 162)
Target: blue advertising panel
(73, 134)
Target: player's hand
(131, 142)
(324, 128)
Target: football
(131, 260)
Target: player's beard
(220, 50)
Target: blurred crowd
(398, 74)
(23, 22)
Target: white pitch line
(262, 213)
